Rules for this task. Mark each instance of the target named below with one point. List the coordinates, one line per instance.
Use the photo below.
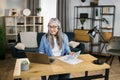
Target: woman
(55, 43)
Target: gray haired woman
(55, 43)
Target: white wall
(48, 11)
(2, 7)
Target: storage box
(81, 35)
(107, 36)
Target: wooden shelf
(95, 44)
(106, 28)
(16, 24)
(12, 34)
(104, 11)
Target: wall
(5, 5)
(48, 11)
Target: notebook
(39, 58)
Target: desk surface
(58, 67)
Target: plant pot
(24, 65)
(38, 14)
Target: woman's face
(53, 28)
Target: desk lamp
(92, 33)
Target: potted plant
(38, 10)
(107, 25)
(105, 20)
(2, 43)
(24, 65)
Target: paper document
(71, 59)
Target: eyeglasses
(53, 26)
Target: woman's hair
(58, 35)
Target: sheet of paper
(68, 59)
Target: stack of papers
(71, 59)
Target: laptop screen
(39, 58)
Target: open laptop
(39, 58)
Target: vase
(96, 14)
(38, 14)
(82, 23)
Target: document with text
(70, 60)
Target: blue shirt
(47, 49)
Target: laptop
(39, 58)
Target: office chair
(113, 48)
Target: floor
(7, 66)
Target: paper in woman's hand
(76, 54)
(71, 59)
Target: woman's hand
(71, 53)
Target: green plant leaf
(38, 9)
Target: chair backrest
(39, 36)
(114, 45)
(70, 35)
